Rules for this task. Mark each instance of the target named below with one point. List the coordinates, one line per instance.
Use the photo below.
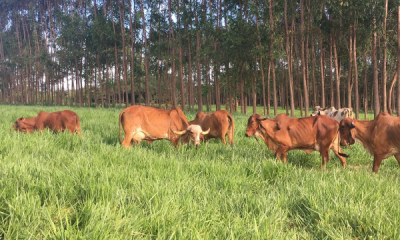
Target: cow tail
(120, 117)
(232, 125)
(338, 140)
(78, 126)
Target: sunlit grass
(61, 186)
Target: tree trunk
(321, 62)
(349, 75)
(384, 77)
(375, 71)
(122, 20)
(303, 57)
(289, 59)
(398, 60)
(199, 90)
(133, 40)
(357, 107)
(337, 73)
(271, 18)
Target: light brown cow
(220, 123)
(150, 124)
(56, 121)
(283, 133)
(380, 137)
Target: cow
(283, 133)
(380, 137)
(220, 123)
(341, 114)
(337, 114)
(322, 111)
(56, 121)
(150, 124)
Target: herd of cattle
(325, 129)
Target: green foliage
(58, 186)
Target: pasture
(59, 186)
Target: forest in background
(195, 54)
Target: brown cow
(56, 121)
(283, 133)
(150, 124)
(220, 123)
(380, 137)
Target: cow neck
(363, 130)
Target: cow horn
(352, 125)
(261, 119)
(179, 132)
(205, 132)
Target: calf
(220, 124)
(56, 121)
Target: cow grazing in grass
(380, 137)
(283, 133)
(56, 121)
(220, 123)
(150, 124)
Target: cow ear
(261, 119)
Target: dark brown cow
(150, 124)
(380, 137)
(220, 123)
(283, 133)
(56, 121)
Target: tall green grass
(59, 186)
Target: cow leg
(325, 157)
(280, 151)
(127, 141)
(342, 159)
(397, 156)
(284, 157)
(377, 162)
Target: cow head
(194, 133)
(347, 131)
(21, 126)
(253, 124)
(316, 111)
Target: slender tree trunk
(121, 6)
(331, 73)
(146, 61)
(398, 60)
(271, 55)
(384, 77)
(375, 71)
(199, 90)
(337, 73)
(289, 59)
(321, 62)
(117, 79)
(133, 40)
(357, 107)
(190, 75)
(303, 58)
(365, 88)
(349, 75)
